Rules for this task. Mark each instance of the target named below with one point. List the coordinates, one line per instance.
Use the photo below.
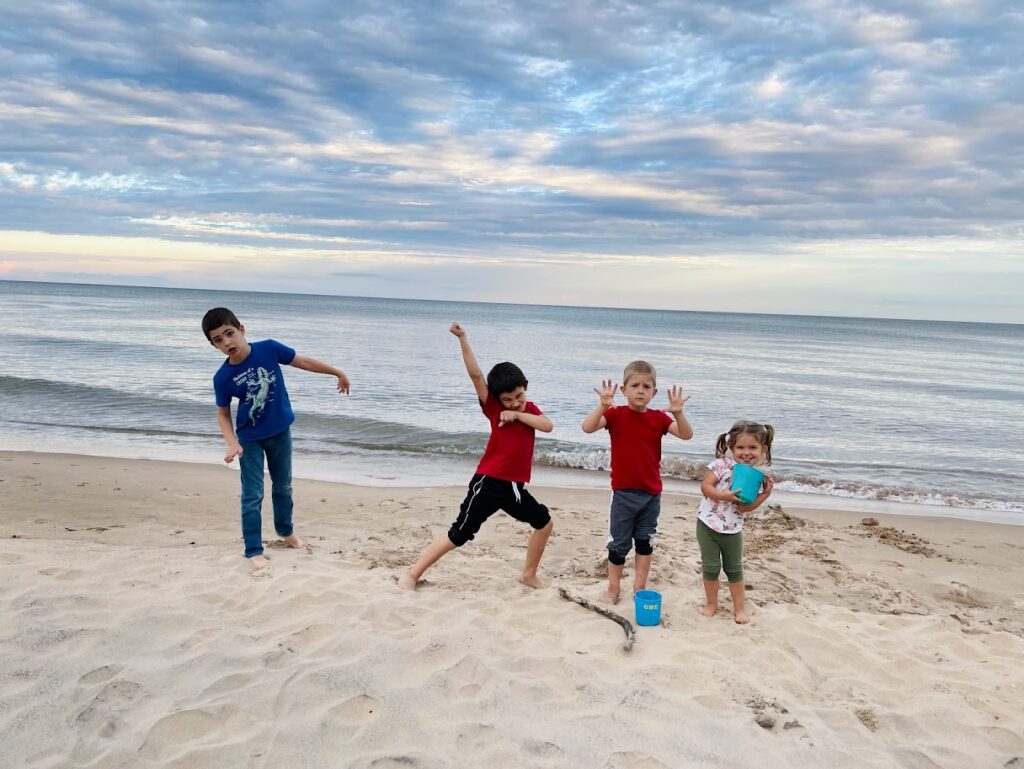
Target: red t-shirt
(636, 447)
(509, 452)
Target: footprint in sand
(767, 713)
(473, 739)
(311, 634)
(231, 683)
(633, 761)
(361, 707)
(469, 691)
(962, 595)
(99, 675)
(58, 573)
(542, 749)
(179, 729)
(102, 715)
(390, 762)
(204, 635)
(867, 717)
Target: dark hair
(217, 317)
(763, 433)
(504, 378)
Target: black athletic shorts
(488, 495)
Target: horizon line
(513, 304)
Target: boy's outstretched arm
(317, 367)
(228, 431)
(594, 421)
(681, 427)
(476, 374)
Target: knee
(734, 575)
(252, 496)
(616, 558)
(711, 566)
(458, 538)
(644, 547)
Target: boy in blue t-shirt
(252, 374)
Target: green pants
(720, 552)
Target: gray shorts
(634, 515)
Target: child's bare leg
(534, 551)
(293, 541)
(431, 555)
(643, 569)
(739, 605)
(258, 562)
(611, 595)
(710, 607)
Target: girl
(720, 515)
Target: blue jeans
(278, 451)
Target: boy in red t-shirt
(636, 433)
(504, 470)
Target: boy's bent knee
(458, 538)
(644, 547)
(542, 521)
(618, 559)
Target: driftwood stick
(627, 626)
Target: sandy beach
(135, 635)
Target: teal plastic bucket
(746, 482)
(648, 607)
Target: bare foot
(741, 618)
(293, 541)
(258, 562)
(533, 581)
(609, 596)
(407, 582)
(708, 610)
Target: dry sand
(134, 635)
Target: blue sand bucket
(648, 607)
(746, 482)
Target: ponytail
(764, 433)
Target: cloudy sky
(811, 157)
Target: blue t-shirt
(258, 383)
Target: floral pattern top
(721, 516)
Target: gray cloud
(464, 128)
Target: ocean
(919, 414)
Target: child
(504, 470)
(252, 373)
(635, 433)
(720, 515)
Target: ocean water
(920, 412)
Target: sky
(805, 156)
